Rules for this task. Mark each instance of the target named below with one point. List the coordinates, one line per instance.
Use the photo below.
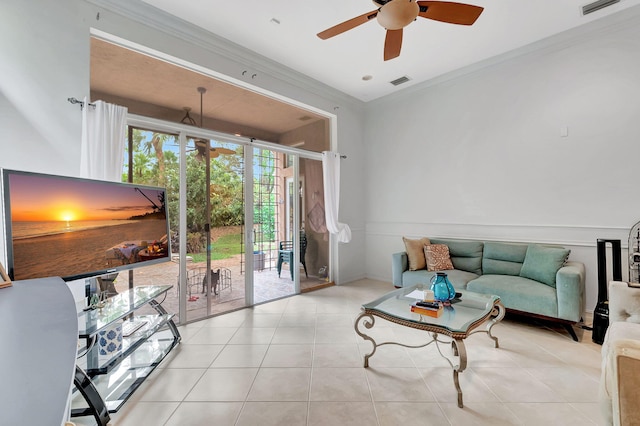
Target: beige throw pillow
(415, 252)
(437, 257)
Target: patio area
(267, 285)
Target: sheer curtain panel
(331, 179)
(104, 129)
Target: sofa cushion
(458, 279)
(415, 252)
(542, 263)
(465, 255)
(437, 256)
(503, 258)
(521, 294)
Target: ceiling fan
(214, 151)
(202, 144)
(394, 15)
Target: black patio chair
(285, 254)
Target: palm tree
(156, 142)
(140, 164)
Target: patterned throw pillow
(415, 252)
(437, 257)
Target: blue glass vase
(442, 289)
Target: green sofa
(530, 279)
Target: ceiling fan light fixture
(397, 14)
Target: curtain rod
(75, 101)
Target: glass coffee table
(458, 321)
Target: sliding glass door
(239, 235)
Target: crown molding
(160, 20)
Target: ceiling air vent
(399, 81)
(597, 5)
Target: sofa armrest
(624, 302)
(570, 291)
(399, 264)
(627, 365)
(619, 381)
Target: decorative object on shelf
(442, 289)
(428, 296)
(434, 309)
(110, 340)
(98, 300)
(5, 281)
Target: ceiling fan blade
(220, 150)
(450, 12)
(347, 25)
(392, 44)
(201, 145)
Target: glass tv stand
(105, 376)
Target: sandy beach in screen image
(78, 252)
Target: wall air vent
(399, 81)
(597, 5)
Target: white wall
(480, 154)
(44, 53)
(475, 155)
(44, 59)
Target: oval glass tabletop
(463, 314)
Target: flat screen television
(76, 228)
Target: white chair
(620, 375)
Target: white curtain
(331, 179)
(104, 130)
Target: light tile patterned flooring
(298, 361)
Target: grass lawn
(223, 248)
(227, 246)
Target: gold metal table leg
(498, 311)
(460, 351)
(368, 323)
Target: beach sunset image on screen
(72, 227)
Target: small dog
(215, 278)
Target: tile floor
(298, 361)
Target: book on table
(432, 310)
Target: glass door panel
(313, 226)
(272, 247)
(215, 219)
(152, 158)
